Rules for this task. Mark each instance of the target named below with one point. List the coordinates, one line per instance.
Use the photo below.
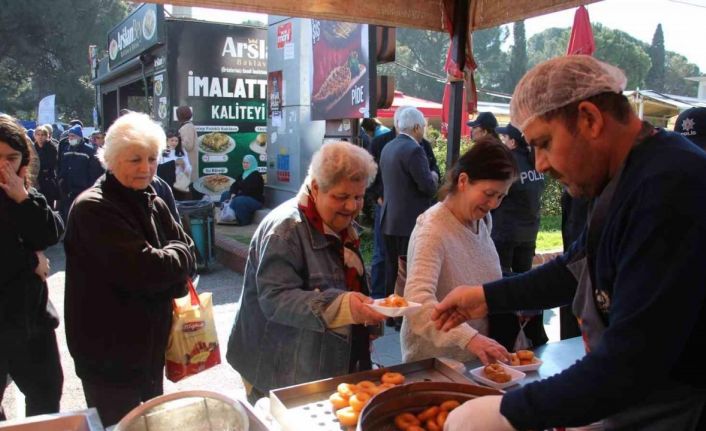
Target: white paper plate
(529, 367)
(479, 375)
(395, 311)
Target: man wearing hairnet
(636, 277)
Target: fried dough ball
(496, 373)
(429, 413)
(366, 386)
(338, 401)
(347, 416)
(404, 421)
(394, 378)
(346, 390)
(514, 360)
(525, 355)
(449, 405)
(358, 400)
(394, 300)
(431, 425)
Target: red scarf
(348, 243)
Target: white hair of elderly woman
(336, 161)
(559, 82)
(409, 118)
(131, 129)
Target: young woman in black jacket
(29, 352)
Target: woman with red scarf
(303, 315)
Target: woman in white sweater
(450, 246)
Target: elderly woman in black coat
(126, 259)
(28, 349)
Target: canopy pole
(458, 41)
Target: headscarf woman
(246, 194)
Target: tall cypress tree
(518, 57)
(655, 76)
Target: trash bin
(197, 219)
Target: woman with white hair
(126, 259)
(303, 315)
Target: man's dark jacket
(409, 185)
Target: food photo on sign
(339, 70)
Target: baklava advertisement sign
(220, 71)
(339, 69)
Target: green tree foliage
(425, 53)
(492, 61)
(45, 51)
(677, 68)
(656, 74)
(518, 57)
(612, 46)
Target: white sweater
(444, 253)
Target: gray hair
(336, 161)
(396, 117)
(409, 118)
(131, 129)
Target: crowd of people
(461, 246)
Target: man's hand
(361, 313)
(478, 414)
(42, 269)
(462, 304)
(487, 349)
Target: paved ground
(226, 287)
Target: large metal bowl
(380, 412)
(187, 411)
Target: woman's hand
(361, 313)
(42, 269)
(12, 183)
(487, 349)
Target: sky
(683, 22)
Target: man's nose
(541, 163)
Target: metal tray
(306, 406)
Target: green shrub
(551, 198)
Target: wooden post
(460, 35)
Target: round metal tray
(379, 413)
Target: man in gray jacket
(409, 187)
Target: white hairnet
(560, 81)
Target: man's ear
(590, 121)
(314, 189)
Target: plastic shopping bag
(193, 343)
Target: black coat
(517, 217)
(409, 185)
(253, 185)
(126, 259)
(46, 178)
(25, 229)
(376, 189)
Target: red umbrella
(581, 40)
